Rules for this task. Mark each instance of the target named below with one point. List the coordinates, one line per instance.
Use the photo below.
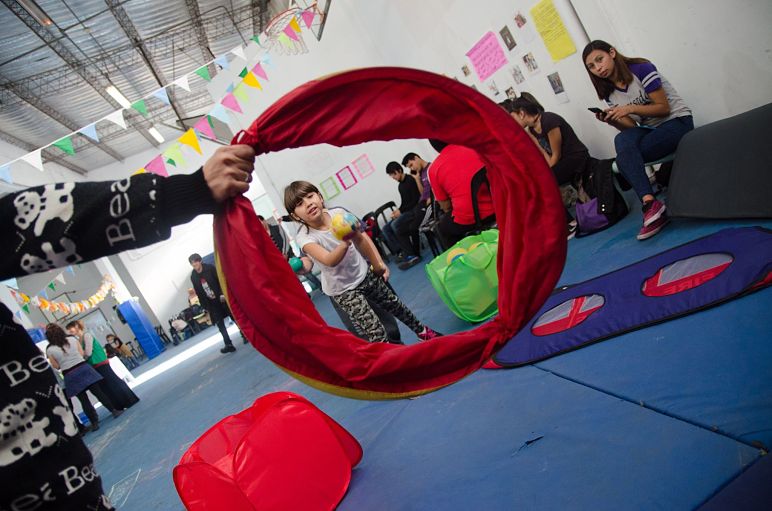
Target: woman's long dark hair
(603, 86)
(56, 336)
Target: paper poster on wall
(524, 29)
(557, 87)
(506, 36)
(493, 88)
(329, 188)
(517, 74)
(552, 30)
(530, 63)
(465, 70)
(363, 166)
(487, 56)
(511, 93)
(346, 177)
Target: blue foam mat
(553, 444)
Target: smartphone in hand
(595, 110)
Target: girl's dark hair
(603, 86)
(56, 336)
(523, 105)
(294, 194)
(509, 104)
(76, 323)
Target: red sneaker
(647, 231)
(652, 212)
(428, 334)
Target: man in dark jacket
(407, 218)
(210, 296)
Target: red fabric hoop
(269, 303)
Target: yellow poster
(552, 30)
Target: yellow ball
(455, 254)
(344, 226)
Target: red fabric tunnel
(364, 105)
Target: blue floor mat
(525, 439)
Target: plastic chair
(374, 231)
(281, 453)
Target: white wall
(717, 54)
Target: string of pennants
(250, 77)
(42, 302)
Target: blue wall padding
(626, 308)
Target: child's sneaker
(652, 211)
(427, 334)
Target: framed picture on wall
(363, 166)
(346, 177)
(329, 188)
(507, 37)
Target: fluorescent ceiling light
(156, 135)
(36, 12)
(117, 96)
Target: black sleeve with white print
(44, 464)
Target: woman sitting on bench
(647, 110)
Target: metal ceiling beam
(259, 15)
(48, 155)
(132, 33)
(44, 108)
(95, 80)
(198, 28)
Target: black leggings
(88, 408)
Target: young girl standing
(647, 110)
(346, 275)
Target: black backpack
(600, 204)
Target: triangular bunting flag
(171, 162)
(25, 308)
(229, 88)
(182, 82)
(65, 144)
(220, 113)
(34, 158)
(52, 285)
(5, 173)
(117, 118)
(251, 80)
(70, 270)
(241, 92)
(17, 314)
(256, 39)
(266, 59)
(259, 71)
(222, 61)
(45, 294)
(290, 33)
(156, 166)
(174, 153)
(243, 73)
(229, 101)
(190, 139)
(137, 172)
(294, 24)
(163, 96)
(203, 72)
(91, 132)
(140, 107)
(60, 278)
(285, 40)
(239, 52)
(204, 127)
(308, 17)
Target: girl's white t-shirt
(349, 272)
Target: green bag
(465, 276)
